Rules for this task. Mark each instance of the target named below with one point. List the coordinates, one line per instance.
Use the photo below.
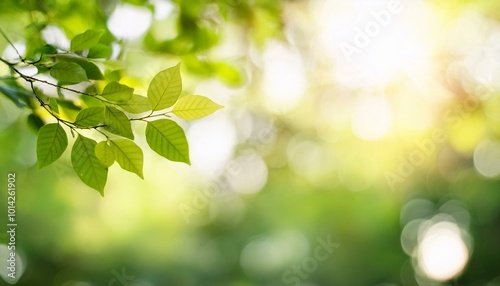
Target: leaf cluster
(110, 112)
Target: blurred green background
(373, 125)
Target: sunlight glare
(371, 118)
(252, 175)
(163, 9)
(442, 253)
(211, 143)
(54, 35)
(487, 158)
(376, 42)
(10, 54)
(284, 78)
(129, 22)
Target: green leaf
(167, 138)
(194, 107)
(115, 91)
(16, 94)
(60, 93)
(113, 75)
(91, 101)
(117, 122)
(68, 73)
(165, 88)
(105, 154)
(128, 155)
(91, 116)
(112, 65)
(199, 66)
(53, 105)
(46, 50)
(85, 40)
(136, 104)
(50, 144)
(69, 108)
(35, 122)
(33, 36)
(228, 74)
(91, 70)
(100, 51)
(87, 166)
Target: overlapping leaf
(68, 73)
(115, 91)
(165, 88)
(85, 40)
(53, 105)
(91, 70)
(136, 104)
(35, 122)
(17, 95)
(51, 143)
(91, 116)
(128, 155)
(100, 51)
(86, 164)
(105, 154)
(167, 138)
(117, 122)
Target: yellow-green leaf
(51, 143)
(100, 51)
(136, 104)
(228, 74)
(105, 154)
(85, 40)
(165, 88)
(87, 166)
(112, 65)
(53, 105)
(194, 107)
(68, 73)
(128, 155)
(117, 122)
(167, 138)
(115, 91)
(91, 116)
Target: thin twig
(49, 110)
(29, 78)
(13, 46)
(72, 125)
(7, 63)
(105, 135)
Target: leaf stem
(104, 134)
(72, 125)
(13, 46)
(166, 114)
(50, 111)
